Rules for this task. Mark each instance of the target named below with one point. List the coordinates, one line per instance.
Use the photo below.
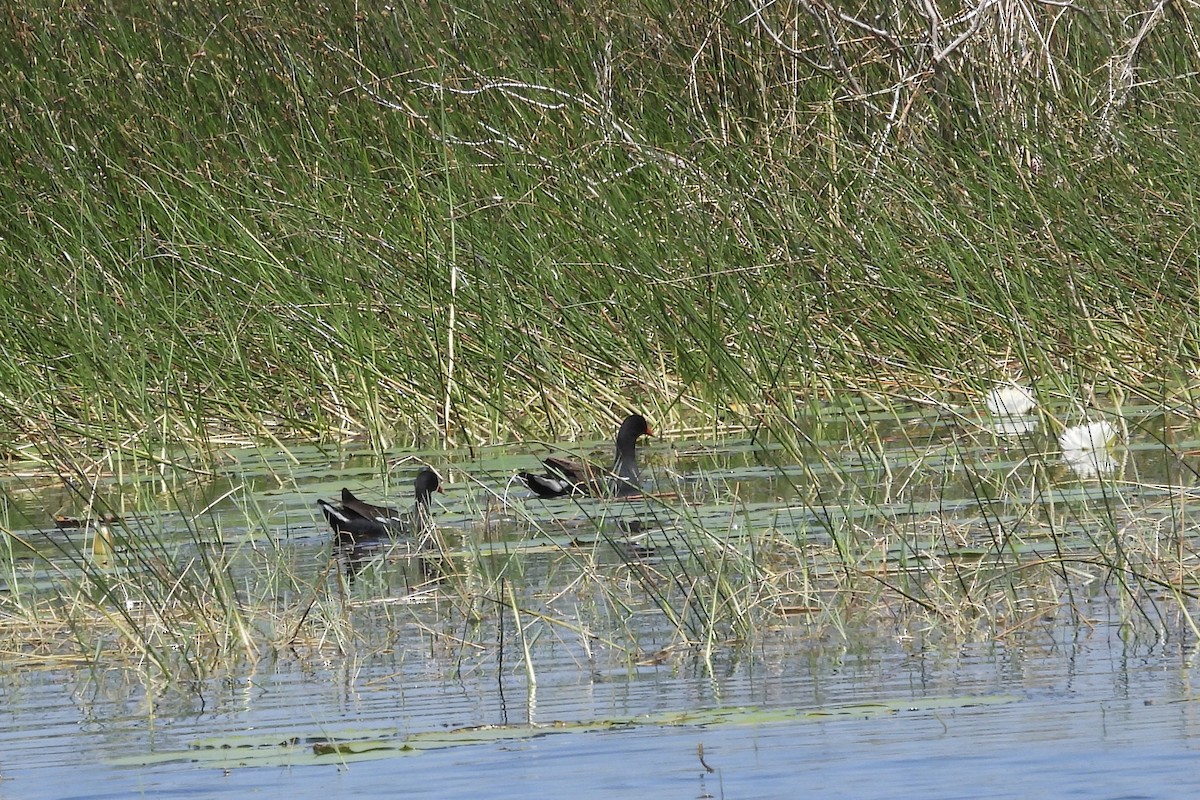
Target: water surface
(1091, 696)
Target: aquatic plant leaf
(267, 750)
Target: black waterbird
(358, 520)
(564, 477)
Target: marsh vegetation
(907, 293)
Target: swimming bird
(356, 520)
(563, 476)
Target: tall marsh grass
(475, 221)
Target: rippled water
(1069, 715)
(1089, 700)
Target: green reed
(366, 224)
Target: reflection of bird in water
(564, 477)
(636, 545)
(355, 556)
(357, 521)
(632, 543)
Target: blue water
(1098, 703)
(1094, 717)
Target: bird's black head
(635, 425)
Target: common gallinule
(355, 519)
(563, 477)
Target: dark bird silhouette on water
(566, 477)
(358, 520)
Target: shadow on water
(934, 604)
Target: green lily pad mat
(299, 748)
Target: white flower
(1010, 400)
(1091, 436)
(1085, 448)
